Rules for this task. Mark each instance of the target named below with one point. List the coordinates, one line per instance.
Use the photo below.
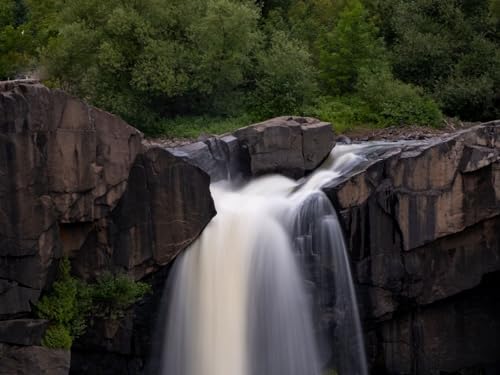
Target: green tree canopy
(352, 46)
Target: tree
(285, 78)
(450, 48)
(150, 57)
(15, 44)
(351, 47)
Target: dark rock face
(63, 162)
(77, 181)
(22, 360)
(221, 157)
(423, 227)
(290, 146)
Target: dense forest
(182, 67)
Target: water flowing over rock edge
(411, 271)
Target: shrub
(57, 337)
(395, 102)
(112, 295)
(350, 47)
(285, 79)
(67, 305)
(71, 302)
(343, 112)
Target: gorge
(421, 222)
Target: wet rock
(344, 139)
(291, 146)
(220, 157)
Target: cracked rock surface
(77, 181)
(423, 227)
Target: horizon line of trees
(384, 62)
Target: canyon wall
(423, 228)
(77, 182)
(422, 224)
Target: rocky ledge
(422, 223)
(291, 146)
(76, 181)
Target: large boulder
(422, 222)
(291, 146)
(165, 207)
(221, 157)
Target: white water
(238, 304)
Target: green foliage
(285, 79)
(57, 337)
(132, 58)
(173, 66)
(345, 112)
(14, 41)
(194, 126)
(380, 100)
(450, 48)
(310, 20)
(395, 102)
(351, 47)
(112, 295)
(68, 304)
(71, 302)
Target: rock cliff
(77, 181)
(422, 223)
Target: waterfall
(238, 303)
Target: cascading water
(238, 304)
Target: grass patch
(192, 127)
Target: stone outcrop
(77, 181)
(221, 157)
(423, 227)
(291, 146)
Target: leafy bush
(67, 306)
(395, 102)
(285, 80)
(343, 112)
(353, 45)
(57, 337)
(449, 48)
(71, 302)
(112, 295)
(193, 127)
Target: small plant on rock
(112, 295)
(66, 307)
(72, 302)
